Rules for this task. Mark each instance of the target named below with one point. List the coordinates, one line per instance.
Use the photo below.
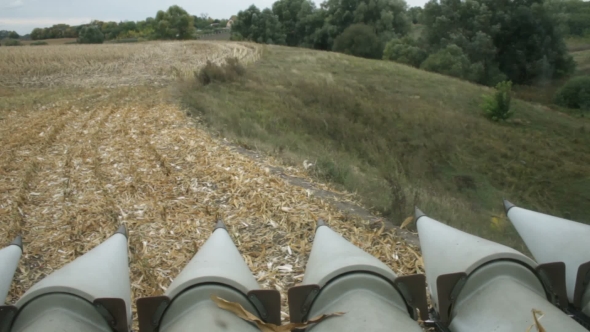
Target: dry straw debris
(239, 311)
(70, 175)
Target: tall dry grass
(113, 65)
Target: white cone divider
(447, 250)
(552, 239)
(103, 272)
(9, 258)
(217, 261)
(332, 255)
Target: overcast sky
(25, 15)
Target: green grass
(582, 59)
(401, 137)
(575, 44)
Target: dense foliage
(497, 106)
(56, 31)
(259, 26)
(484, 41)
(6, 34)
(575, 93)
(175, 23)
(304, 24)
(573, 16)
(516, 38)
(90, 35)
(404, 50)
(359, 40)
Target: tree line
(5, 34)
(174, 23)
(484, 41)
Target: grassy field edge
(401, 137)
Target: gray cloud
(25, 15)
(8, 4)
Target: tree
(404, 50)
(519, 39)
(110, 30)
(257, 26)
(386, 17)
(450, 60)
(90, 34)
(359, 40)
(175, 23)
(572, 16)
(575, 93)
(316, 34)
(37, 34)
(13, 35)
(415, 14)
(293, 16)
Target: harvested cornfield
(73, 172)
(113, 65)
(81, 158)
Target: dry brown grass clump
(112, 65)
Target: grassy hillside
(401, 137)
(582, 59)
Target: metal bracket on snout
(300, 300)
(150, 310)
(7, 315)
(448, 286)
(412, 288)
(552, 276)
(113, 310)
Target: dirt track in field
(71, 174)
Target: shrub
(12, 42)
(38, 43)
(405, 51)
(497, 106)
(450, 60)
(359, 40)
(124, 41)
(575, 93)
(90, 35)
(227, 72)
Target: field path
(69, 175)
